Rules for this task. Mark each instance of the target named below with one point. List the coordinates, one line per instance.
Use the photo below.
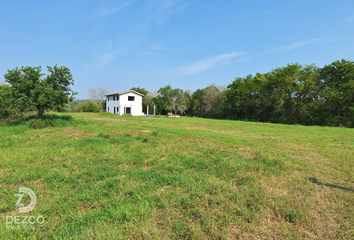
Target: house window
(131, 98)
(114, 98)
(108, 109)
(117, 97)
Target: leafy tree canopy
(140, 90)
(31, 90)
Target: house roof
(121, 93)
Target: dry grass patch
(74, 133)
(124, 166)
(4, 170)
(107, 119)
(113, 132)
(163, 190)
(44, 135)
(246, 152)
(146, 131)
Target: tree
(178, 101)
(88, 106)
(147, 99)
(212, 99)
(169, 99)
(5, 100)
(97, 94)
(188, 101)
(32, 91)
(197, 104)
(337, 80)
(163, 100)
(140, 90)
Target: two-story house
(125, 102)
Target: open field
(185, 178)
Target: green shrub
(107, 136)
(48, 120)
(89, 106)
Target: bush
(86, 106)
(48, 120)
(89, 106)
(103, 135)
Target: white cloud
(102, 56)
(110, 11)
(162, 10)
(348, 20)
(297, 45)
(210, 62)
(293, 46)
(104, 59)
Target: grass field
(189, 178)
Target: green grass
(108, 177)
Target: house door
(127, 110)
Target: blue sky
(189, 44)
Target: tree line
(293, 94)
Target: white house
(125, 102)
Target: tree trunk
(40, 112)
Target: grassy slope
(187, 178)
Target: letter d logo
(32, 195)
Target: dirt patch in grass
(107, 119)
(146, 131)
(256, 136)
(193, 125)
(44, 135)
(131, 184)
(296, 157)
(245, 151)
(73, 133)
(114, 132)
(4, 170)
(124, 166)
(38, 182)
(164, 189)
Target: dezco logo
(25, 222)
(20, 195)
